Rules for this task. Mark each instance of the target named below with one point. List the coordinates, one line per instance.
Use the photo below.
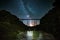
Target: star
(28, 16)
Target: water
(34, 35)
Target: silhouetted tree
(51, 21)
(9, 26)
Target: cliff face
(9, 26)
(51, 21)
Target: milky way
(35, 9)
(22, 8)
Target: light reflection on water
(29, 35)
(34, 35)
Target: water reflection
(34, 35)
(29, 35)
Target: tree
(9, 26)
(51, 21)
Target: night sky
(27, 8)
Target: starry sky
(26, 9)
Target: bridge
(31, 22)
